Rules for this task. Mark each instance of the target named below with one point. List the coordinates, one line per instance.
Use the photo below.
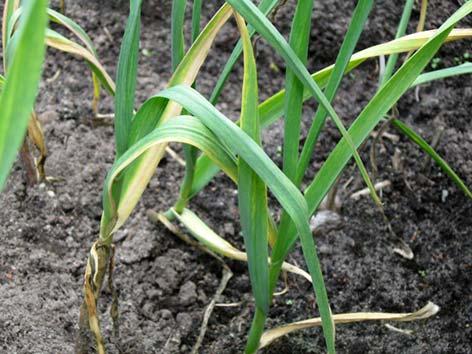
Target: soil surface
(164, 285)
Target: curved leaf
(267, 30)
(217, 244)
(272, 109)
(183, 129)
(427, 311)
(283, 189)
(152, 113)
(68, 23)
(59, 42)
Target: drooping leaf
(149, 116)
(282, 188)
(59, 42)
(272, 109)
(183, 129)
(427, 311)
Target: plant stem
(190, 158)
(255, 333)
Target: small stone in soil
(325, 221)
(229, 228)
(184, 321)
(188, 293)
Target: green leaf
(177, 43)
(299, 39)
(252, 192)
(196, 15)
(359, 17)
(266, 6)
(283, 189)
(178, 50)
(378, 106)
(149, 116)
(272, 109)
(22, 81)
(402, 26)
(9, 8)
(264, 27)
(353, 33)
(126, 78)
(465, 68)
(418, 140)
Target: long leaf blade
(272, 109)
(299, 39)
(22, 81)
(265, 6)
(461, 69)
(359, 17)
(427, 311)
(148, 117)
(266, 29)
(283, 189)
(418, 140)
(126, 78)
(379, 105)
(252, 193)
(353, 33)
(177, 24)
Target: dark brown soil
(164, 285)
